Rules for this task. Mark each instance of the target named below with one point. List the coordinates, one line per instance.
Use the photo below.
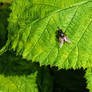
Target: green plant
(32, 38)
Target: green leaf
(18, 75)
(33, 26)
(88, 76)
(18, 83)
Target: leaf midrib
(52, 5)
(58, 10)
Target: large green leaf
(33, 26)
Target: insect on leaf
(33, 26)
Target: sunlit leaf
(33, 26)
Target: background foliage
(31, 35)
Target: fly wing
(67, 39)
(61, 44)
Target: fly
(62, 37)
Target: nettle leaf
(88, 76)
(16, 83)
(33, 26)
